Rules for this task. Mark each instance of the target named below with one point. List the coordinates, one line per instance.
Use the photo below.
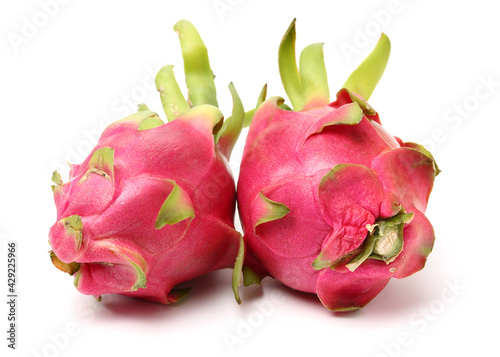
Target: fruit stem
(384, 241)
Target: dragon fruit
(153, 204)
(330, 202)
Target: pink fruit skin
(286, 157)
(119, 215)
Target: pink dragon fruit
(153, 204)
(330, 202)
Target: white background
(86, 63)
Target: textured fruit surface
(153, 204)
(330, 202)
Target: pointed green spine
(271, 210)
(231, 129)
(176, 208)
(140, 283)
(237, 270)
(288, 68)
(199, 75)
(73, 226)
(173, 101)
(313, 78)
(249, 115)
(365, 78)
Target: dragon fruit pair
(330, 202)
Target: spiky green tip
(176, 208)
(73, 226)
(307, 85)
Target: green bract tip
(177, 207)
(199, 75)
(237, 270)
(288, 68)
(307, 88)
(249, 115)
(365, 78)
(172, 100)
(269, 210)
(313, 79)
(231, 129)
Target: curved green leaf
(313, 78)
(101, 163)
(237, 271)
(231, 129)
(249, 115)
(172, 100)
(199, 75)
(140, 283)
(288, 68)
(176, 208)
(365, 78)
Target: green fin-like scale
(77, 278)
(231, 129)
(173, 101)
(365, 78)
(73, 226)
(101, 163)
(363, 104)
(199, 75)
(56, 178)
(321, 263)
(423, 150)
(237, 271)
(140, 283)
(288, 68)
(313, 78)
(348, 114)
(249, 115)
(176, 208)
(269, 210)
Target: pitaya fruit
(153, 204)
(330, 202)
